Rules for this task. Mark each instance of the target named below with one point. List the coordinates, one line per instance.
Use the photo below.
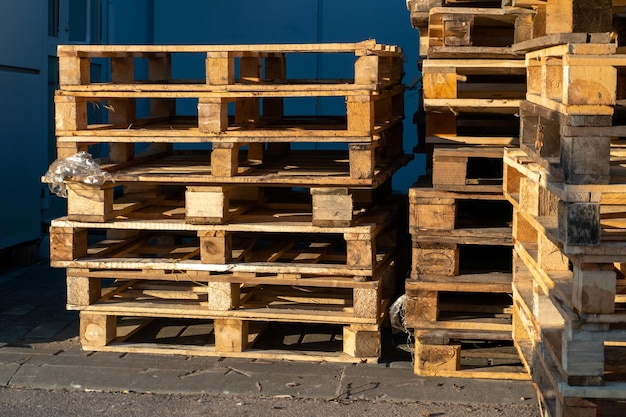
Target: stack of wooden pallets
(228, 207)
(459, 295)
(567, 185)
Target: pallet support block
(362, 160)
(421, 307)
(220, 68)
(366, 70)
(82, 291)
(585, 160)
(212, 115)
(332, 206)
(231, 335)
(579, 223)
(361, 250)
(216, 247)
(67, 244)
(223, 296)
(224, 159)
(360, 114)
(70, 113)
(74, 70)
(594, 288)
(97, 329)
(366, 302)
(583, 354)
(206, 205)
(88, 202)
(435, 259)
(429, 215)
(431, 359)
(361, 341)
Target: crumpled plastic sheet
(396, 315)
(79, 167)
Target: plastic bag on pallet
(396, 315)
(81, 167)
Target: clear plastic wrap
(80, 167)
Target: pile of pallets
(235, 201)
(459, 295)
(567, 186)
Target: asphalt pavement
(41, 362)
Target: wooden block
(552, 78)
(361, 251)
(89, 202)
(231, 335)
(456, 29)
(523, 231)
(212, 115)
(332, 206)
(585, 160)
(82, 291)
(594, 288)
(121, 152)
(97, 329)
(70, 113)
(544, 310)
(583, 361)
(579, 223)
(576, 407)
(435, 259)
(366, 70)
(430, 359)
(362, 161)
(366, 302)
(587, 16)
(361, 343)
(449, 170)
(67, 244)
(220, 68)
(224, 159)
(215, 247)
(206, 205)
(421, 306)
(440, 83)
(74, 70)
(360, 114)
(549, 256)
(433, 216)
(223, 296)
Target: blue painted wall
(26, 108)
(23, 119)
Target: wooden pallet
(574, 79)
(366, 114)
(229, 66)
(228, 159)
(322, 168)
(579, 149)
(475, 128)
(420, 9)
(109, 325)
(581, 219)
(466, 306)
(467, 168)
(260, 243)
(466, 32)
(483, 359)
(577, 363)
(432, 209)
(218, 204)
(473, 79)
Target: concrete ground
(43, 369)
